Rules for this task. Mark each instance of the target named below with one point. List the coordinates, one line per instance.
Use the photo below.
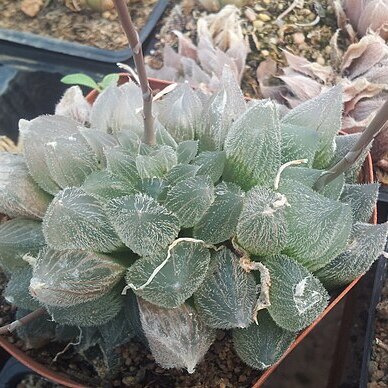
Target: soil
(87, 27)
(304, 31)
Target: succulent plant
(216, 226)
(220, 41)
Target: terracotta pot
(59, 378)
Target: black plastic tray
(31, 51)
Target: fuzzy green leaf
(17, 292)
(262, 228)
(262, 345)
(253, 146)
(142, 224)
(178, 338)
(322, 114)
(76, 220)
(180, 173)
(186, 151)
(35, 134)
(365, 245)
(211, 164)
(157, 163)
(17, 238)
(318, 227)
(227, 296)
(190, 199)
(219, 222)
(177, 280)
(163, 137)
(362, 199)
(20, 196)
(67, 278)
(297, 297)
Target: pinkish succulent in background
(220, 41)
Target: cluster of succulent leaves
(94, 211)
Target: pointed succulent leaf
(261, 345)
(297, 297)
(180, 112)
(190, 199)
(322, 114)
(157, 163)
(17, 238)
(262, 228)
(308, 176)
(178, 338)
(67, 278)
(222, 110)
(180, 173)
(155, 188)
(362, 198)
(185, 268)
(365, 245)
(227, 296)
(122, 165)
(91, 313)
(298, 142)
(99, 141)
(163, 137)
(76, 220)
(186, 151)
(142, 224)
(20, 196)
(70, 160)
(129, 140)
(253, 146)
(211, 164)
(219, 222)
(103, 185)
(17, 292)
(35, 134)
(36, 333)
(318, 227)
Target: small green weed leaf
(297, 297)
(156, 164)
(262, 345)
(178, 338)
(227, 296)
(17, 292)
(308, 176)
(366, 243)
(253, 146)
(70, 160)
(80, 79)
(123, 166)
(322, 114)
(91, 313)
(108, 80)
(211, 164)
(318, 227)
(362, 199)
(262, 228)
(20, 195)
(298, 143)
(180, 173)
(35, 134)
(184, 271)
(219, 222)
(17, 238)
(76, 220)
(104, 186)
(190, 199)
(142, 224)
(186, 151)
(67, 278)
(180, 112)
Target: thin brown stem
(372, 130)
(22, 321)
(135, 44)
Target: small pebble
(298, 37)
(258, 24)
(264, 53)
(321, 60)
(264, 17)
(250, 14)
(128, 381)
